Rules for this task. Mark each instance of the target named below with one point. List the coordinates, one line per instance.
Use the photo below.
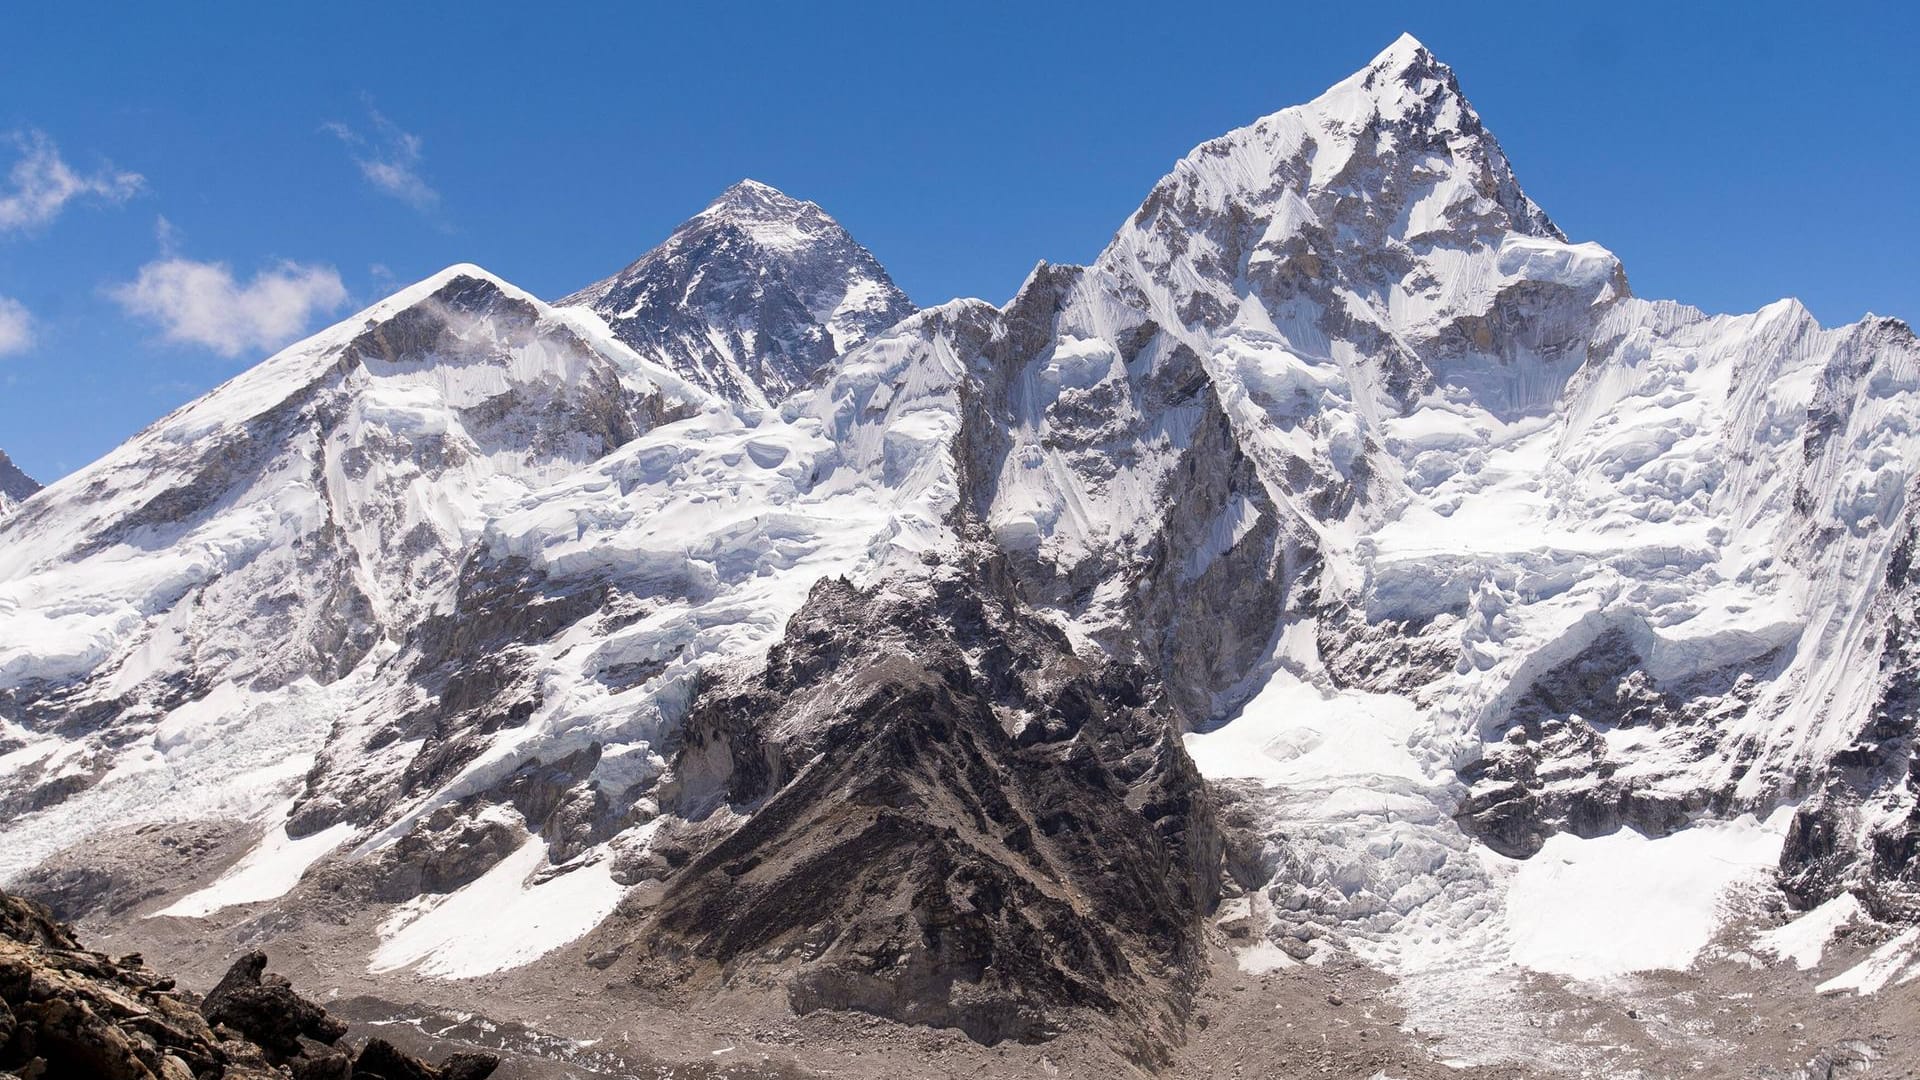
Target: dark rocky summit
(68, 1012)
(15, 485)
(752, 298)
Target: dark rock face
(470, 667)
(265, 1009)
(955, 822)
(1553, 770)
(752, 298)
(14, 484)
(1833, 844)
(1209, 626)
(66, 1012)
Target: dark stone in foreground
(68, 1012)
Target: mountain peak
(1405, 52)
(753, 197)
(436, 282)
(750, 298)
(1370, 141)
(769, 217)
(1404, 81)
(15, 485)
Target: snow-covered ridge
(271, 541)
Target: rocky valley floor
(1735, 1015)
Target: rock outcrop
(15, 485)
(953, 821)
(66, 1012)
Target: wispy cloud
(16, 327)
(166, 235)
(390, 158)
(41, 184)
(202, 303)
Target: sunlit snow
(515, 913)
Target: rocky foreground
(68, 1012)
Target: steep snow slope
(584, 618)
(752, 298)
(186, 614)
(1622, 559)
(14, 484)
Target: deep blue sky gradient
(1730, 155)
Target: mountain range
(1345, 571)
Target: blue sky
(183, 188)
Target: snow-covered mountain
(15, 485)
(1345, 559)
(187, 603)
(752, 298)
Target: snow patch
(1597, 908)
(510, 916)
(268, 872)
(1804, 939)
(1880, 967)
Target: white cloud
(390, 159)
(16, 326)
(41, 184)
(166, 234)
(200, 303)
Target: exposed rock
(1552, 770)
(14, 484)
(266, 1010)
(955, 821)
(123, 869)
(1860, 829)
(67, 1012)
(751, 298)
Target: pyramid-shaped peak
(1405, 75)
(1388, 133)
(747, 188)
(1405, 52)
(14, 483)
(773, 220)
(750, 298)
(754, 200)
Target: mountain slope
(752, 298)
(190, 609)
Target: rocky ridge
(15, 485)
(952, 820)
